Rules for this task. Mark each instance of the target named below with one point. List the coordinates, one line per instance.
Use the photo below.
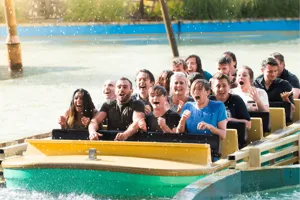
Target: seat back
(241, 132)
(296, 116)
(265, 116)
(255, 133)
(287, 107)
(75, 134)
(230, 144)
(277, 116)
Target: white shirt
(245, 95)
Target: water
(284, 193)
(55, 66)
(8, 194)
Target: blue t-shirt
(213, 113)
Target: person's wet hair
(179, 75)
(157, 90)
(194, 76)
(168, 79)
(198, 62)
(220, 76)
(250, 72)
(87, 105)
(202, 83)
(179, 61)
(269, 61)
(126, 79)
(278, 56)
(232, 56)
(224, 60)
(149, 74)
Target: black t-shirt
(172, 120)
(137, 97)
(276, 88)
(237, 107)
(120, 116)
(291, 78)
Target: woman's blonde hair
(172, 81)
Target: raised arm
(94, 125)
(181, 126)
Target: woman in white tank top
(256, 99)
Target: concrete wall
(154, 28)
(231, 182)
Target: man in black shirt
(286, 75)
(276, 88)
(124, 113)
(144, 80)
(161, 119)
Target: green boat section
(95, 182)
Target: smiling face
(143, 83)
(191, 64)
(221, 89)
(123, 91)
(270, 72)
(109, 90)
(78, 101)
(243, 78)
(179, 86)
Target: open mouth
(241, 82)
(106, 92)
(156, 103)
(79, 106)
(121, 94)
(197, 97)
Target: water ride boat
(149, 164)
(119, 169)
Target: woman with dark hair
(256, 99)
(233, 65)
(164, 79)
(194, 64)
(80, 112)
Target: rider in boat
(256, 99)
(203, 116)
(123, 114)
(80, 112)
(287, 75)
(194, 65)
(162, 119)
(276, 88)
(144, 80)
